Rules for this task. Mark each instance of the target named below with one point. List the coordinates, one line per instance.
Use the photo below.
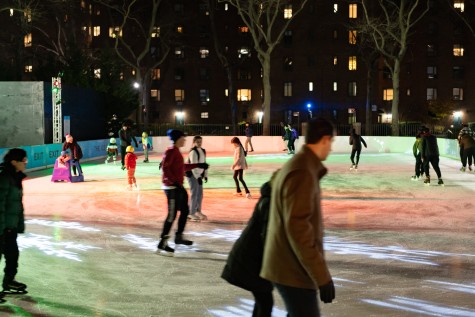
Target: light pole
(180, 117)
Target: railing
(377, 129)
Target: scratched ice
(243, 310)
(60, 249)
(458, 287)
(421, 307)
(141, 242)
(228, 235)
(60, 224)
(397, 253)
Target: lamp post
(309, 108)
(458, 115)
(180, 117)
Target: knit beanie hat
(112, 140)
(174, 135)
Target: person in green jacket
(12, 222)
(416, 150)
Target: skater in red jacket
(173, 175)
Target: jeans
(238, 174)
(434, 161)
(299, 302)
(263, 304)
(196, 195)
(352, 157)
(177, 199)
(9, 248)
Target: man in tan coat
(293, 254)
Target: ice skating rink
(395, 247)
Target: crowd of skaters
(286, 223)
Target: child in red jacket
(130, 164)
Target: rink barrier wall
(43, 156)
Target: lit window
(335, 86)
(408, 91)
(244, 52)
(133, 72)
(226, 92)
(121, 76)
(457, 93)
(310, 86)
(155, 31)
(83, 4)
(288, 11)
(204, 96)
(156, 74)
(97, 73)
(179, 29)
(431, 93)
(352, 88)
(431, 72)
(288, 63)
(204, 52)
(11, 12)
(28, 40)
(226, 7)
(335, 60)
(244, 95)
(353, 11)
(458, 50)
(154, 93)
(27, 13)
(388, 94)
(352, 37)
(335, 7)
(288, 89)
(97, 31)
(28, 68)
(179, 95)
(352, 63)
(115, 31)
(204, 115)
(459, 5)
(179, 52)
(243, 29)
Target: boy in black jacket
(430, 154)
(355, 141)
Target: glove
(327, 292)
(203, 165)
(206, 179)
(200, 181)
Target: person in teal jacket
(12, 222)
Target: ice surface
(395, 247)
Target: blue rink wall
(43, 156)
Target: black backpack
(190, 173)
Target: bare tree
(388, 23)
(267, 25)
(227, 64)
(137, 21)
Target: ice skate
(201, 215)
(462, 169)
(179, 239)
(107, 161)
(163, 247)
(414, 178)
(248, 196)
(194, 217)
(14, 287)
(470, 168)
(145, 161)
(352, 167)
(427, 181)
(440, 182)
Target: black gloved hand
(327, 292)
(200, 181)
(203, 165)
(206, 179)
